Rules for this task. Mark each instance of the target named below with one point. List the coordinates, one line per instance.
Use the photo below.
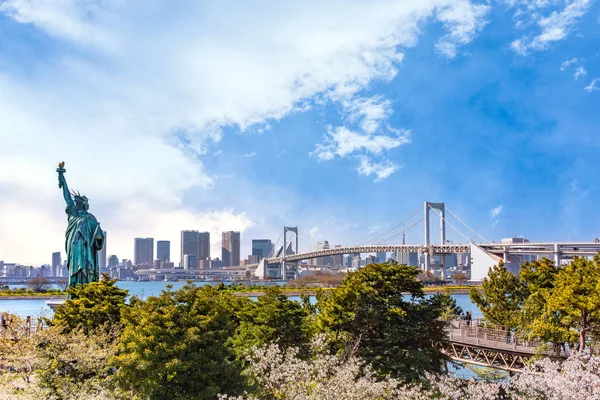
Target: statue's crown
(79, 196)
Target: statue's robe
(84, 238)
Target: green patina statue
(84, 237)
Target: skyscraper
(196, 244)
(143, 251)
(338, 259)
(56, 264)
(204, 252)
(381, 256)
(113, 261)
(163, 250)
(328, 260)
(230, 248)
(261, 248)
(102, 254)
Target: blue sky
(341, 118)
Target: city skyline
(341, 124)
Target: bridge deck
(491, 339)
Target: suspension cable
(391, 229)
(452, 226)
(400, 233)
(468, 227)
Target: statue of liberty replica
(84, 237)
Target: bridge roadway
(542, 249)
(388, 248)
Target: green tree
(537, 319)
(502, 298)
(273, 318)
(576, 298)
(368, 315)
(76, 364)
(92, 306)
(175, 346)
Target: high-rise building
(113, 261)
(143, 251)
(381, 256)
(204, 252)
(196, 244)
(328, 260)
(230, 248)
(102, 254)
(190, 261)
(56, 264)
(409, 258)
(261, 248)
(338, 259)
(371, 260)
(163, 250)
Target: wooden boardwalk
(475, 342)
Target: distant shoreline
(252, 293)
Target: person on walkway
(28, 325)
(469, 317)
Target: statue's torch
(61, 170)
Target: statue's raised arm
(62, 183)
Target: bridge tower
(286, 229)
(442, 212)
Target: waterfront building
(113, 261)
(216, 263)
(196, 244)
(371, 260)
(230, 248)
(338, 259)
(56, 264)
(408, 258)
(328, 260)
(143, 251)
(163, 250)
(190, 261)
(356, 262)
(261, 248)
(204, 252)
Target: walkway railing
(484, 334)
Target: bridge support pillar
(557, 254)
(427, 207)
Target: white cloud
(462, 22)
(496, 211)
(370, 111)
(579, 72)
(554, 27)
(567, 63)
(137, 92)
(373, 136)
(593, 86)
(247, 155)
(380, 170)
(342, 142)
